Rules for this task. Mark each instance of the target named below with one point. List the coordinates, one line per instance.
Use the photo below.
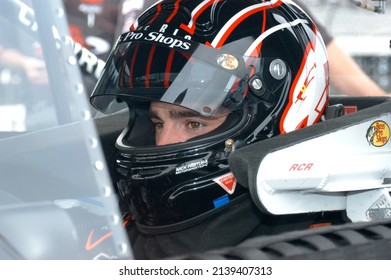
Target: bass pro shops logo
(378, 134)
(155, 37)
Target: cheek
(171, 134)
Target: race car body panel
(318, 168)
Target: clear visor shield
(146, 66)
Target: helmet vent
(147, 173)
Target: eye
(157, 123)
(194, 125)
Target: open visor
(147, 66)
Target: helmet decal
(227, 182)
(227, 61)
(305, 107)
(189, 166)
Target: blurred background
(363, 34)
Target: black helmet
(261, 63)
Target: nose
(169, 134)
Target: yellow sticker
(378, 133)
(227, 61)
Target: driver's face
(176, 124)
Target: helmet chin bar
(348, 169)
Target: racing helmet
(261, 64)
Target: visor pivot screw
(256, 84)
(277, 69)
(207, 110)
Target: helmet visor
(146, 66)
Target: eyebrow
(180, 114)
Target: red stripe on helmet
(149, 65)
(190, 28)
(132, 63)
(257, 50)
(319, 108)
(293, 87)
(168, 69)
(242, 18)
(121, 75)
(234, 25)
(159, 8)
(174, 12)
